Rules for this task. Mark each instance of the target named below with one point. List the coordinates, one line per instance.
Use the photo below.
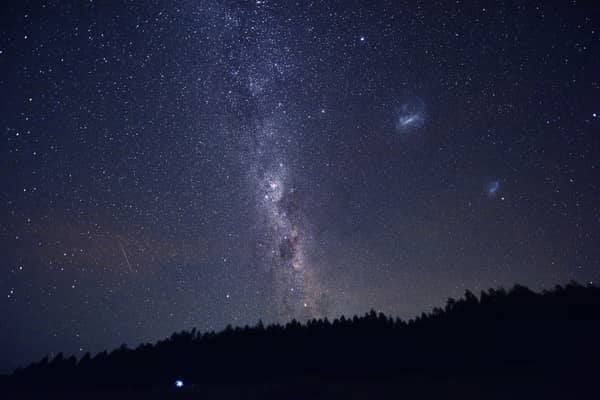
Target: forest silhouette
(517, 343)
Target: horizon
(283, 324)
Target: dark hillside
(508, 343)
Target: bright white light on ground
(178, 383)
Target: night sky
(169, 165)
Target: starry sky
(176, 164)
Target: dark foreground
(520, 382)
(516, 344)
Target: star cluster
(165, 166)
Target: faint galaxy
(199, 164)
(492, 188)
(411, 116)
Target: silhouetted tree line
(493, 332)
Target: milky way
(284, 238)
(286, 247)
(268, 151)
